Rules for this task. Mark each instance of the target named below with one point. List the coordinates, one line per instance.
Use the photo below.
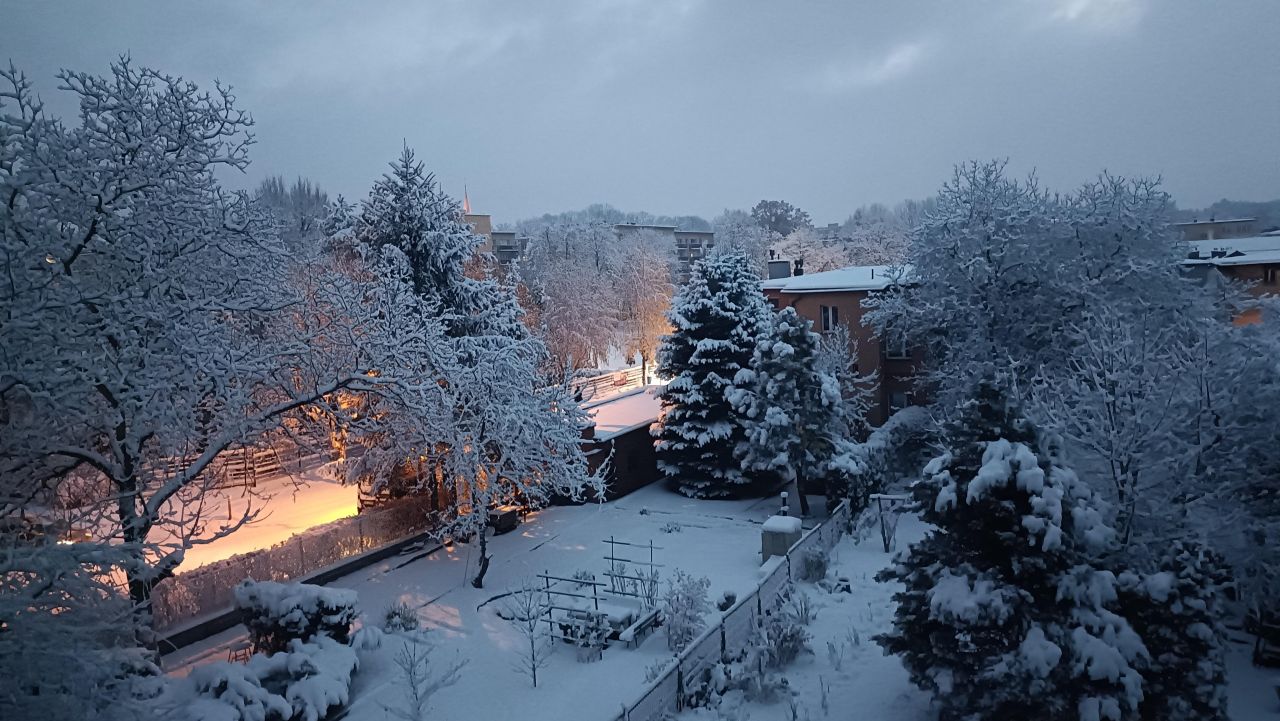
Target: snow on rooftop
(1235, 251)
(856, 277)
(625, 412)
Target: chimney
(779, 269)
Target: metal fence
(208, 589)
(736, 628)
(604, 385)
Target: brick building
(835, 297)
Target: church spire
(466, 202)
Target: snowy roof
(626, 412)
(856, 277)
(1235, 251)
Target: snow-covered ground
(867, 684)
(717, 539)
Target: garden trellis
(643, 585)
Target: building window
(897, 401)
(829, 317)
(1269, 275)
(895, 345)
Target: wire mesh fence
(735, 630)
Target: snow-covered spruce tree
(716, 319)
(793, 410)
(407, 209)
(1003, 614)
(1176, 611)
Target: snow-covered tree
(481, 425)
(794, 411)
(526, 609)
(810, 252)
(299, 211)
(67, 649)
(148, 318)
(507, 437)
(643, 290)
(1000, 268)
(837, 356)
(1176, 611)
(717, 319)
(737, 231)
(779, 216)
(1122, 399)
(408, 210)
(1004, 613)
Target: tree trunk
(804, 501)
(478, 581)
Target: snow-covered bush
(399, 617)
(800, 607)
(1004, 613)
(736, 677)
(303, 683)
(785, 638)
(588, 632)
(726, 601)
(684, 605)
(277, 613)
(813, 565)
(1177, 613)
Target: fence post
(723, 650)
(679, 684)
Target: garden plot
(716, 539)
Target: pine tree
(408, 210)
(1176, 610)
(794, 410)
(1003, 614)
(716, 319)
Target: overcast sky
(690, 107)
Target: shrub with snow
(277, 613)
(303, 683)
(1003, 613)
(785, 638)
(813, 565)
(399, 617)
(684, 605)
